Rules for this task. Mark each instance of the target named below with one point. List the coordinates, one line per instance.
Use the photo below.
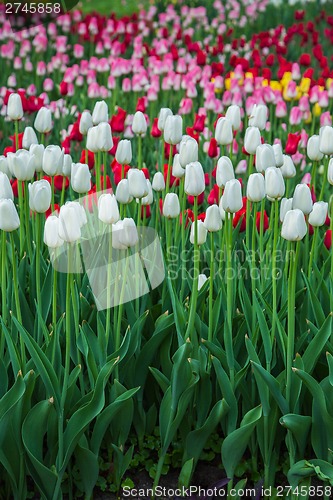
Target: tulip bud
(202, 278)
(51, 232)
(213, 220)
(100, 113)
(80, 178)
(29, 137)
(158, 182)
(194, 179)
(108, 211)
(224, 171)
(43, 120)
(149, 198)
(188, 150)
(319, 213)
(67, 165)
(86, 122)
(171, 206)
(173, 129)
(330, 172)
(162, 117)
(326, 140)
(37, 151)
(233, 114)
(232, 196)
(122, 192)
(286, 205)
(294, 226)
(69, 225)
(139, 124)
(39, 196)
(274, 183)
(202, 232)
(9, 219)
(4, 167)
(14, 107)
(137, 184)
(223, 131)
(177, 170)
(124, 152)
(265, 157)
(6, 192)
(302, 198)
(53, 160)
(252, 140)
(255, 190)
(313, 150)
(258, 116)
(278, 155)
(124, 234)
(105, 142)
(288, 168)
(23, 165)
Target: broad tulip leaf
(234, 445)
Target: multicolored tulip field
(166, 267)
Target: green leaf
(273, 386)
(299, 425)
(234, 445)
(317, 344)
(308, 468)
(84, 415)
(34, 428)
(186, 473)
(42, 363)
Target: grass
(120, 7)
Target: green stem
(22, 219)
(253, 276)
(120, 309)
(63, 186)
(4, 279)
(211, 289)
(230, 278)
(17, 299)
(167, 187)
(54, 311)
(313, 249)
(275, 210)
(182, 237)
(261, 242)
(190, 327)
(321, 195)
(291, 318)
(16, 125)
(140, 152)
(108, 292)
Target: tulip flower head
(108, 211)
(294, 227)
(274, 183)
(223, 131)
(255, 190)
(100, 113)
(213, 220)
(224, 171)
(171, 206)
(39, 196)
(9, 219)
(232, 196)
(158, 183)
(80, 178)
(194, 179)
(173, 129)
(302, 198)
(124, 152)
(201, 231)
(51, 232)
(188, 150)
(162, 117)
(29, 137)
(43, 121)
(137, 184)
(318, 215)
(139, 124)
(14, 107)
